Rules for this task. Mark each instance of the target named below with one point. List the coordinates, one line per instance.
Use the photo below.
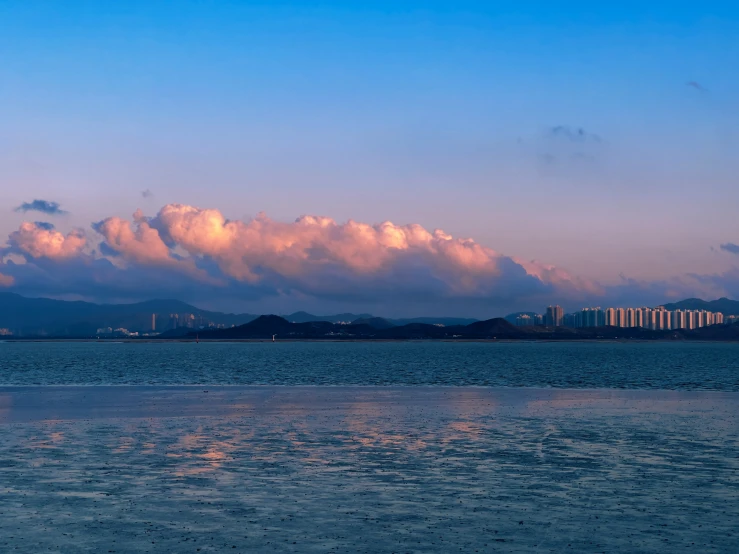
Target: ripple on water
(587, 365)
(364, 469)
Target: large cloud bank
(184, 249)
(308, 252)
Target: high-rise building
(631, 317)
(611, 318)
(691, 319)
(650, 318)
(700, 318)
(678, 320)
(638, 317)
(621, 317)
(554, 316)
(153, 322)
(661, 318)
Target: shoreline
(336, 340)
(277, 386)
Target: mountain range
(34, 317)
(270, 327)
(725, 306)
(304, 317)
(267, 326)
(26, 317)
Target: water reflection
(367, 469)
(372, 423)
(207, 448)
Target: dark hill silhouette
(512, 317)
(305, 317)
(266, 326)
(713, 332)
(415, 331)
(262, 327)
(725, 306)
(445, 321)
(375, 322)
(497, 327)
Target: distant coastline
(38, 319)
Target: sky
(250, 155)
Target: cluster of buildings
(649, 318)
(189, 321)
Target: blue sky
(437, 113)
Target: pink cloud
(307, 248)
(313, 256)
(6, 280)
(38, 241)
(141, 244)
(557, 276)
(312, 243)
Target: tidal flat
(367, 469)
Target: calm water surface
(529, 459)
(367, 469)
(672, 366)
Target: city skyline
(658, 318)
(200, 154)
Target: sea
(422, 446)
(578, 365)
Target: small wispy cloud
(730, 247)
(567, 148)
(572, 134)
(44, 225)
(147, 193)
(697, 86)
(43, 206)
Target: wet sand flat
(367, 469)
